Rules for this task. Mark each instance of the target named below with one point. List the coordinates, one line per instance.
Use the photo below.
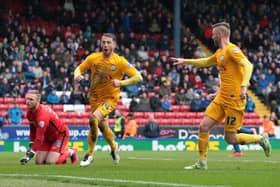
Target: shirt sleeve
(236, 54)
(85, 65)
(128, 69)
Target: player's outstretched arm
(200, 62)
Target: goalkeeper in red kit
(49, 135)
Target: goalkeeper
(48, 134)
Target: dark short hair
(110, 35)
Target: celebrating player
(235, 71)
(107, 70)
(48, 134)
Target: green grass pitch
(145, 168)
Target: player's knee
(204, 128)
(93, 121)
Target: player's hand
(116, 83)
(243, 92)
(79, 78)
(177, 61)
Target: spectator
(175, 77)
(131, 90)
(2, 121)
(130, 127)
(64, 99)
(268, 126)
(196, 104)
(151, 129)
(15, 115)
(165, 87)
(119, 124)
(156, 103)
(144, 103)
(133, 104)
(180, 97)
(189, 96)
(52, 98)
(250, 105)
(166, 104)
(274, 118)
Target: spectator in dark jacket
(151, 129)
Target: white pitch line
(112, 180)
(149, 158)
(267, 161)
(229, 160)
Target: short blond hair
(35, 92)
(223, 27)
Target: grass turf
(140, 168)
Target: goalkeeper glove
(28, 156)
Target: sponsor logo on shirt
(41, 124)
(235, 50)
(113, 67)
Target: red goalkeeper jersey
(45, 126)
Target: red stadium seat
(8, 100)
(199, 115)
(142, 121)
(164, 121)
(175, 108)
(57, 107)
(138, 114)
(111, 121)
(20, 100)
(180, 115)
(159, 115)
(187, 121)
(169, 115)
(185, 108)
(191, 114)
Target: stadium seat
(111, 121)
(138, 115)
(187, 121)
(185, 108)
(191, 115)
(175, 108)
(179, 115)
(164, 121)
(196, 121)
(169, 115)
(142, 121)
(159, 115)
(88, 108)
(8, 100)
(57, 108)
(68, 108)
(199, 115)
(20, 100)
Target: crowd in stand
(255, 28)
(41, 51)
(32, 57)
